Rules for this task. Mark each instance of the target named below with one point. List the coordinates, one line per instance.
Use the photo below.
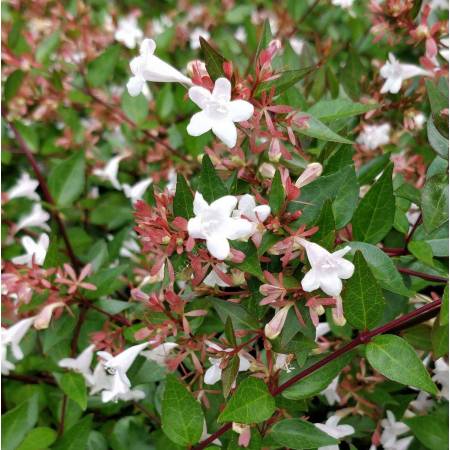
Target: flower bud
(267, 170)
(312, 171)
(338, 313)
(42, 320)
(273, 329)
(196, 67)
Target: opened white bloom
(214, 373)
(257, 215)
(160, 353)
(136, 192)
(38, 218)
(395, 73)
(343, 3)
(35, 250)
(80, 364)
(110, 171)
(312, 171)
(42, 320)
(148, 67)
(128, 31)
(25, 187)
(374, 136)
(333, 429)
(195, 36)
(218, 112)
(322, 329)
(274, 328)
(441, 376)
(117, 367)
(161, 24)
(327, 269)
(212, 279)
(214, 224)
(330, 392)
(11, 337)
(422, 403)
(391, 430)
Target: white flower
(25, 187)
(444, 50)
(297, 45)
(327, 269)
(117, 367)
(322, 329)
(311, 172)
(441, 376)
(282, 362)
(218, 112)
(332, 428)
(129, 248)
(419, 120)
(11, 337)
(36, 218)
(240, 34)
(196, 34)
(80, 364)
(422, 403)
(171, 181)
(373, 136)
(439, 4)
(330, 392)
(148, 67)
(161, 24)
(160, 353)
(35, 251)
(395, 73)
(214, 224)
(136, 192)
(212, 279)
(42, 320)
(109, 172)
(391, 430)
(343, 3)
(128, 32)
(131, 395)
(247, 209)
(214, 373)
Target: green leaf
(38, 438)
(394, 358)
(284, 80)
(443, 317)
(101, 69)
(374, 215)
(136, 108)
(182, 416)
(76, 437)
(74, 386)
(265, 38)
(17, 422)
(276, 196)
(439, 339)
(239, 316)
(210, 184)
(251, 403)
(422, 251)
(251, 263)
(106, 281)
(368, 172)
(312, 127)
(435, 202)
(300, 434)
(12, 84)
(316, 382)
(47, 47)
(328, 110)
(326, 234)
(382, 268)
(436, 140)
(229, 332)
(66, 180)
(213, 60)
(165, 102)
(229, 375)
(362, 297)
(431, 430)
(183, 200)
(351, 74)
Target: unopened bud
(196, 67)
(42, 320)
(273, 329)
(267, 170)
(312, 171)
(165, 240)
(320, 310)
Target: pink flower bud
(42, 320)
(273, 329)
(338, 313)
(312, 171)
(267, 170)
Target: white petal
(314, 251)
(199, 124)
(200, 96)
(213, 374)
(135, 85)
(200, 204)
(346, 269)
(331, 284)
(262, 212)
(239, 228)
(247, 204)
(240, 110)
(226, 131)
(310, 281)
(244, 364)
(410, 70)
(195, 228)
(218, 246)
(224, 205)
(147, 48)
(222, 89)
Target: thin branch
(406, 321)
(424, 276)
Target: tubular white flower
(330, 392)
(36, 218)
(25, 187)
(373, 136)
(11, 337)
(37, 249)
(80, 364)
(395, 73)
(218, 112)
(214, 224)
(136, 192)
(391, 430)
(110, 171)
(160, 353)
(42, 320)
(327, 269)
(128, 32)
(247, 209)
(148, 67)
(332, 428)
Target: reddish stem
(424, 276)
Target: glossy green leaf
(284, 80)
(430, 429)
(276, 196)
(251, 403)
(210, 184)
(436, 140)
(439, 339)
(101, 69)
(136, 108)
(12, 84)
(328, 110)
(394, 358)
(38, 438)
(183, 200)
(76, 437)
(237, 313)
(74, 386)
(213, 60)
(229, 375)
(435, 202)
